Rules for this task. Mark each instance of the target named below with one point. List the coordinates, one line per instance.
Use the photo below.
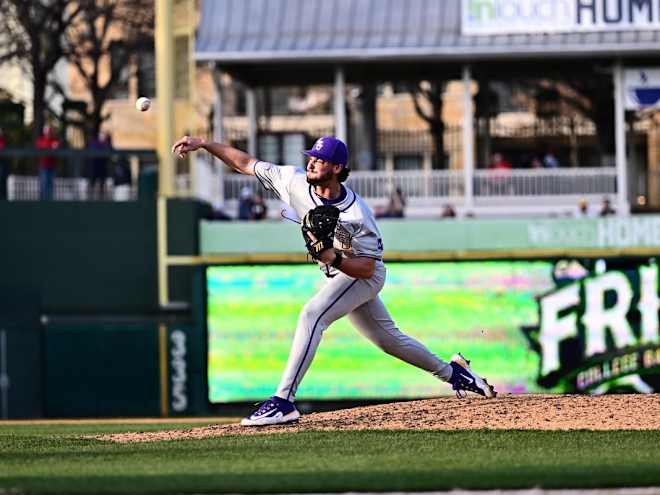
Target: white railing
(447, 184)
(450, 184)
(374, 185)
(545, 182)
(234, 184)
(26, 188)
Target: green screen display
(477, 308)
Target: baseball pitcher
(340, 233)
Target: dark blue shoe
(274, 411)
(463, 379)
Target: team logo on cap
(319, 145)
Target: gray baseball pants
(357, 298)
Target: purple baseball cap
(329, 149)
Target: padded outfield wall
(577, 307)
(80, 327)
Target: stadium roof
(250, 32)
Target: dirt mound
(530, 412)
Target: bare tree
(102, 44)
(427, 97)
(39, 33)
(33, 35)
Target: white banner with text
(484, 17)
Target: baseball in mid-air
(143, 103)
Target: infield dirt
(519, 412)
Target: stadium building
(534, 79)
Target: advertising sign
(612, 232)
(598, 328)
(579, 326)
(483, 17)
(178, 371)
(476, 308)
(642, 88)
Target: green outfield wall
(124, 369)
(104, 348)
(81, 333)
(95, 257)
(21, 354)
(484, 237)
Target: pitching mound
(529, 412)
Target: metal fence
(545, 182)
(412, 183)
(26, 188)
(450, 184)
(74, 170)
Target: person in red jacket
(47, 164)
(499, 171)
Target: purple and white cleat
(463, 379)
(274, 411)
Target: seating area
(26, 188)
(517, 192)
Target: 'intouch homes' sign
(481, 17)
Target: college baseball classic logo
(598, 329)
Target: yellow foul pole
(165, 98)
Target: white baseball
(143, 103)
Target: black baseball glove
(318, 228)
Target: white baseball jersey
(356, 233)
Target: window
(269, 148)
(408, 162)
(509, 97)
(292, 146)
(296, 100)
(146, 72)
(119, 58)
(283, 148)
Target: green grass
(56, 459)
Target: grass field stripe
(162, 358)
(533, 491)
(59, 460)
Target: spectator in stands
(606, 208)
(3, 166)
(499, 171)
(536, 163)
(582, 209)
(550, 159)
(448, 211)
(258, 209)
(245, 203)
(498, 162)
(47, 163)
(121, 177)
(99, 164)
(395, 207)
